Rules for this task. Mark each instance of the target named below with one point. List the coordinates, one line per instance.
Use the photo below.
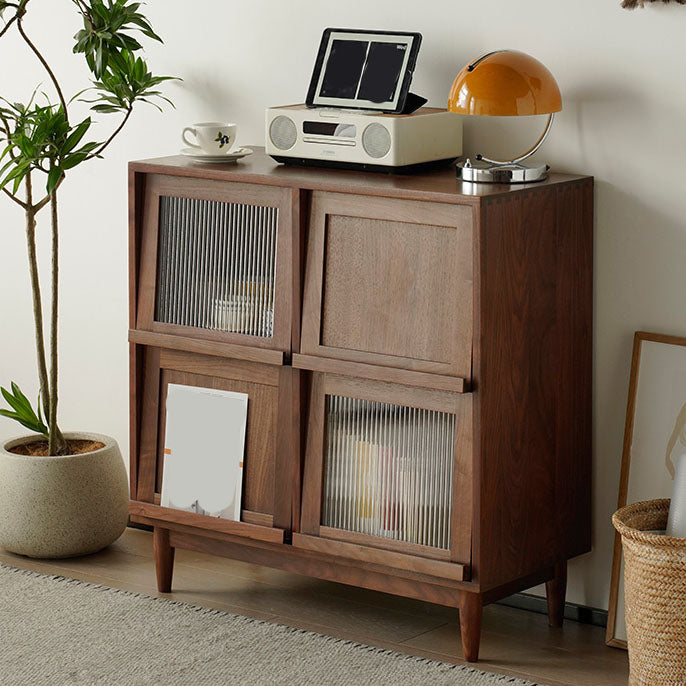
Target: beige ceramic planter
(62, 506)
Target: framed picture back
(654, 437)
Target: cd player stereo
(337, 137)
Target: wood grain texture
(202, 523)
(383, 543)
(288, 450)
(321, 566)
(383, 392)
(164, 559)
(495, 593)
(136, 192)
(205, 347)
(556, 590)
(136, 189)
(259, 169)
(259, 518)
(136, 356)
(299, 207)
(471, 612)
(405, 377)
(389, 283)
(147, 233)
(521, 376)
(313, 473)
(149, 412)
(516, 405)
(402, 290)
(574, 236)
(389, 558)
(225, 368)
(462, 511)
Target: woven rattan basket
(655, 595)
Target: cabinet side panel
(516, 378)
(574, 411)
(136, 189)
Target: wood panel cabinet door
(388, 474)
(216, 261)
(263, 499)
(389, 282)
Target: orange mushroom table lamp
(505, 83)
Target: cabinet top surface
(438, 185)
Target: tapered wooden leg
(471, 610)
(164, 559)
(556, 590)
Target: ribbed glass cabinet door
(216, 261)
(217, 265)
(388, 470)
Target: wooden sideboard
(417, 355)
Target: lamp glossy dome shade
(505, 83)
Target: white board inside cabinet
(204, 450)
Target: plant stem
(56, 443)
(7, 26)
(37, 303)
(12, 197)
(41, 59)
(112, 137)
(46, 199)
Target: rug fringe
(252, 620)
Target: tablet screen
(362, 69)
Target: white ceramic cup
(213, 138)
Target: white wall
(621, 74)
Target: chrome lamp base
(487, 172)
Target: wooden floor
(514, 642)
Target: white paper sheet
(204, 447)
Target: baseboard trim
(521, 601)
(577, 613)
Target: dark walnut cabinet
(417, 356)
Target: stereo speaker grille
(376, 140)
(283, 133)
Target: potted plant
(63, 494)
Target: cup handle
(189, 129)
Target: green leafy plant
(39, 141)
(22, 411)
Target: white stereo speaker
(323, 136)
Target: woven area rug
(56, 631)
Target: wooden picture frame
(647, 428)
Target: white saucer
(227, 157)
